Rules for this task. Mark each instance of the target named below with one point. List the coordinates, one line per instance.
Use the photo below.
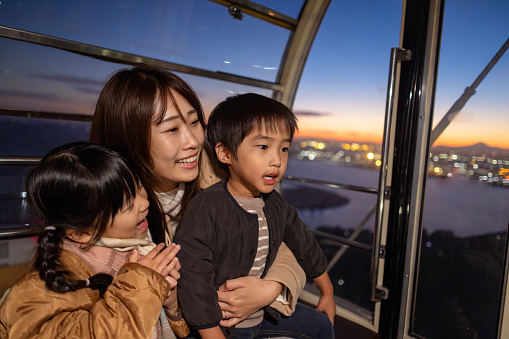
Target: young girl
(96, 273)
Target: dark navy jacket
(219, 240)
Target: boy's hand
(327, 305)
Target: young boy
(235, 227)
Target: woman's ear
(83, 237)
(224, 155)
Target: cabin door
(390, 216)
(447, 221)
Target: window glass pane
(196, 33)
(13, 211)
(37, 78)
(36, 137)
(41, 78)
(330, 210)
(466, 217)
(340, 104)
(15, 260)
(349, 271)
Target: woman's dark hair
(132, 100)
(80, 187)
(237, 116)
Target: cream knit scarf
(171, 203)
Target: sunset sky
(352, 88)
(341, 94)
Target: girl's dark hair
(132, 100)
(81, 187)
(237, 116)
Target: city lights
(488, 169)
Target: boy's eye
(263, 147)
(285, 149)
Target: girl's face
(176, 145)
(130, 222)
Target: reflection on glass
(13, 209)
(196, 33)
(41, 78)
(465, 221)
(36, 137)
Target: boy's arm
(211, 333)
(326, 304)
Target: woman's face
(176, 144)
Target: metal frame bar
(261, 12)
(22, 113)
(429, 57)
(332, 184)
(19, 160)
(298, 49)
(20, 232)
(126, 58)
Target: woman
(156, 118)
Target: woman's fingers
(166, 270)
(172, 282)
(175, 274)
(167, 258)
(154, 252)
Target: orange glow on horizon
(370, 138)
(338, 136)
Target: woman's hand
(241, 297)
(171, 303)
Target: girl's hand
(241, 297)
(160, 259)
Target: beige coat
(130, 307)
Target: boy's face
(261, 161)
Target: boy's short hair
(237, 116)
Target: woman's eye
(195, 122)
(172, 130)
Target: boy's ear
(78, 236)
(224, 155)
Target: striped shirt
(255, 206)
